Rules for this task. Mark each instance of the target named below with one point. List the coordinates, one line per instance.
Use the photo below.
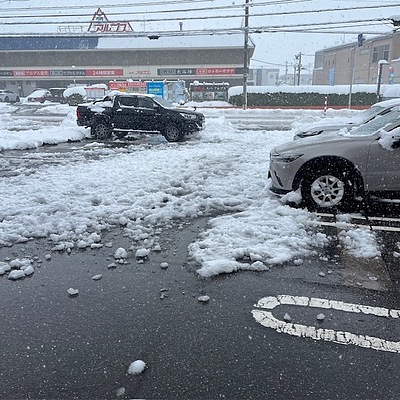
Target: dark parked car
(8, 96)
(125, 113)
(334, 170)
(57, 95)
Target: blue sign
(156, 88)
(332, 76)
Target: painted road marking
(346, 225)
(373, 223)
(266, 319)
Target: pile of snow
(323, 89)
(17, 268)
(73, 198)
(74, 90)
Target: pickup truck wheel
(173, 134)
(101, 130)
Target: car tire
(17, 99)
(101, 130)
(172, 133)
(328, 190)
(6, 99)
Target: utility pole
(246, 54)
(353, 52)
(286, 71)
(298, 58)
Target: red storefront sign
(104, 72)
(31, 73)
(115, 85)
(215, 71)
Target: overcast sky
(272, 49)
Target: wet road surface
(60, 347)
(55, 346)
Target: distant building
(58, 61)
(359, 62)
(264, 77)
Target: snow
(73, 198)
(387, 91)
(74, 90)
(137, 367)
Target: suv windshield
(377, 123)
(163, 102)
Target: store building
(59, 61)
(359, 62)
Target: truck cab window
(145, 103)
(128, 101)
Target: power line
(215, 8)
(315, 26)
(202, 32)
(151, 4)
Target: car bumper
(283, 176)
(195, 127)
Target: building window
(380, 53)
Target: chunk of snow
(28, 271)
(287, 317)
(203, 299)
(5, 267)
(16, 274)
(121, 253)
(97, 277)
(73, 292)
(320, 317)
(142, 253)
(137, 367)
(157, 247)
(20, 263)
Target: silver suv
(335, 169)
(332, 124)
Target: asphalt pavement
(259, 336)
(55, 346)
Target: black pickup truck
(123, 114)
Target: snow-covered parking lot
(71, 199)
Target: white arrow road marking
(266, 319)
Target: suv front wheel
(327, 190)
(172, 133)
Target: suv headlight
(285, 158)
(188, 116)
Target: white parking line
(365, 223)
(266, 319)
(346, 225)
